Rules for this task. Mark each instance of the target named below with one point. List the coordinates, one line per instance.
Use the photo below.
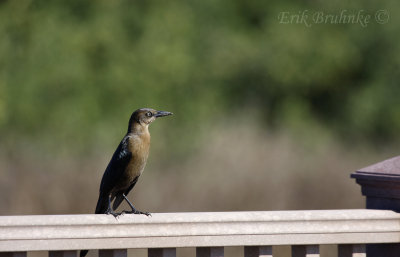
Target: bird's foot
(113, 213)
(134, 211)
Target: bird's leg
(134, 211)
(110, 210)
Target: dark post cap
(388, 170)
(380, 183)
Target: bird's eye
(149, 114)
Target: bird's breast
(139, 147)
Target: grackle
(127, 164)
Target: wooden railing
(357, 233)
(161, 234)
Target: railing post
(162, 252)
(210, 252)
(351, 250)
(113, 253)
(305, 251)
(62, 253)
(258, 251)
(12, 254)
(380, 183)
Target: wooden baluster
(352, 250)
(258, 251)
(62, 253)
(162, 252)
(113, 253)
(12, 254)
(210, 252)
(305, 251)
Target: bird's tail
(101, 207)
(102, 204)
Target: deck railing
(161, 234)
(371, 233)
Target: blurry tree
(71, 72)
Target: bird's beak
(162, 114)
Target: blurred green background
(268, 115)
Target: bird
(127, 164)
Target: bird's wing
(116, 167)
(114, 171)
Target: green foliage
(72, 72)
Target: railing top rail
(198, 217)
(68, 232)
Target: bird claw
(148, 214)
(113, 213)
(137, 212)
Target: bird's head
(145, 116)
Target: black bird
(127, 164)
